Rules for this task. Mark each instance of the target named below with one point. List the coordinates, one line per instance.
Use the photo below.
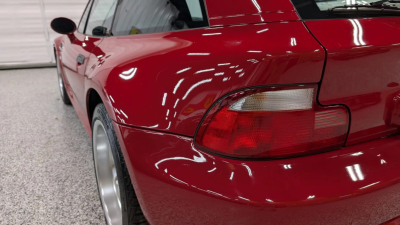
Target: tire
(63, 93)
(129, 209)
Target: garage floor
(46, 167)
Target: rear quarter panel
(167, 81)
(362, 71)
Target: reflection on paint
(183, 70)
(177, 85)
(196, 85)
(212, 34)
(129, 74)
(164, 99)
(355, 172)
(311, 197)
(176, 103)
(293, 42)
(358, 32)
(261, 31)
(287, 166)
(258, 6)
(198, 53)
(248, 169)
(369, 185)
(203, 71)
(197, 159)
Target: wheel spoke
(107, 177)
(60, 81)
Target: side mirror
(99, 31)
(63, 25)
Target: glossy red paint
(223, 8)
(254, 18)
(362, 71)
(358, 184)
(189, 70)
(250, 11)
(73, 46)
(67, 50)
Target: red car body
(177, 78)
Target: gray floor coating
(46, 167)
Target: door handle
(80, 59)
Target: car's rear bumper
(179, 184)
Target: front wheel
(63, 92)
(118, 198)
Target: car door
(362, 70)
(78, 47)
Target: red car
(238, 112)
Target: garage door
(25, 35)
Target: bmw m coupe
(238, 112)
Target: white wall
(25, 34)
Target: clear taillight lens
(273, 123)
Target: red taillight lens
(273, 123)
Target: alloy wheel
(107, 179)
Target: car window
(82, 24)
(325, 9)
(102, 14)
(153, 16)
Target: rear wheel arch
(93, 100)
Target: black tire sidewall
(100, 113)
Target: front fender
(57, 43)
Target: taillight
(273, 122)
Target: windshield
(325, 5)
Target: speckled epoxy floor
(46, 167)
